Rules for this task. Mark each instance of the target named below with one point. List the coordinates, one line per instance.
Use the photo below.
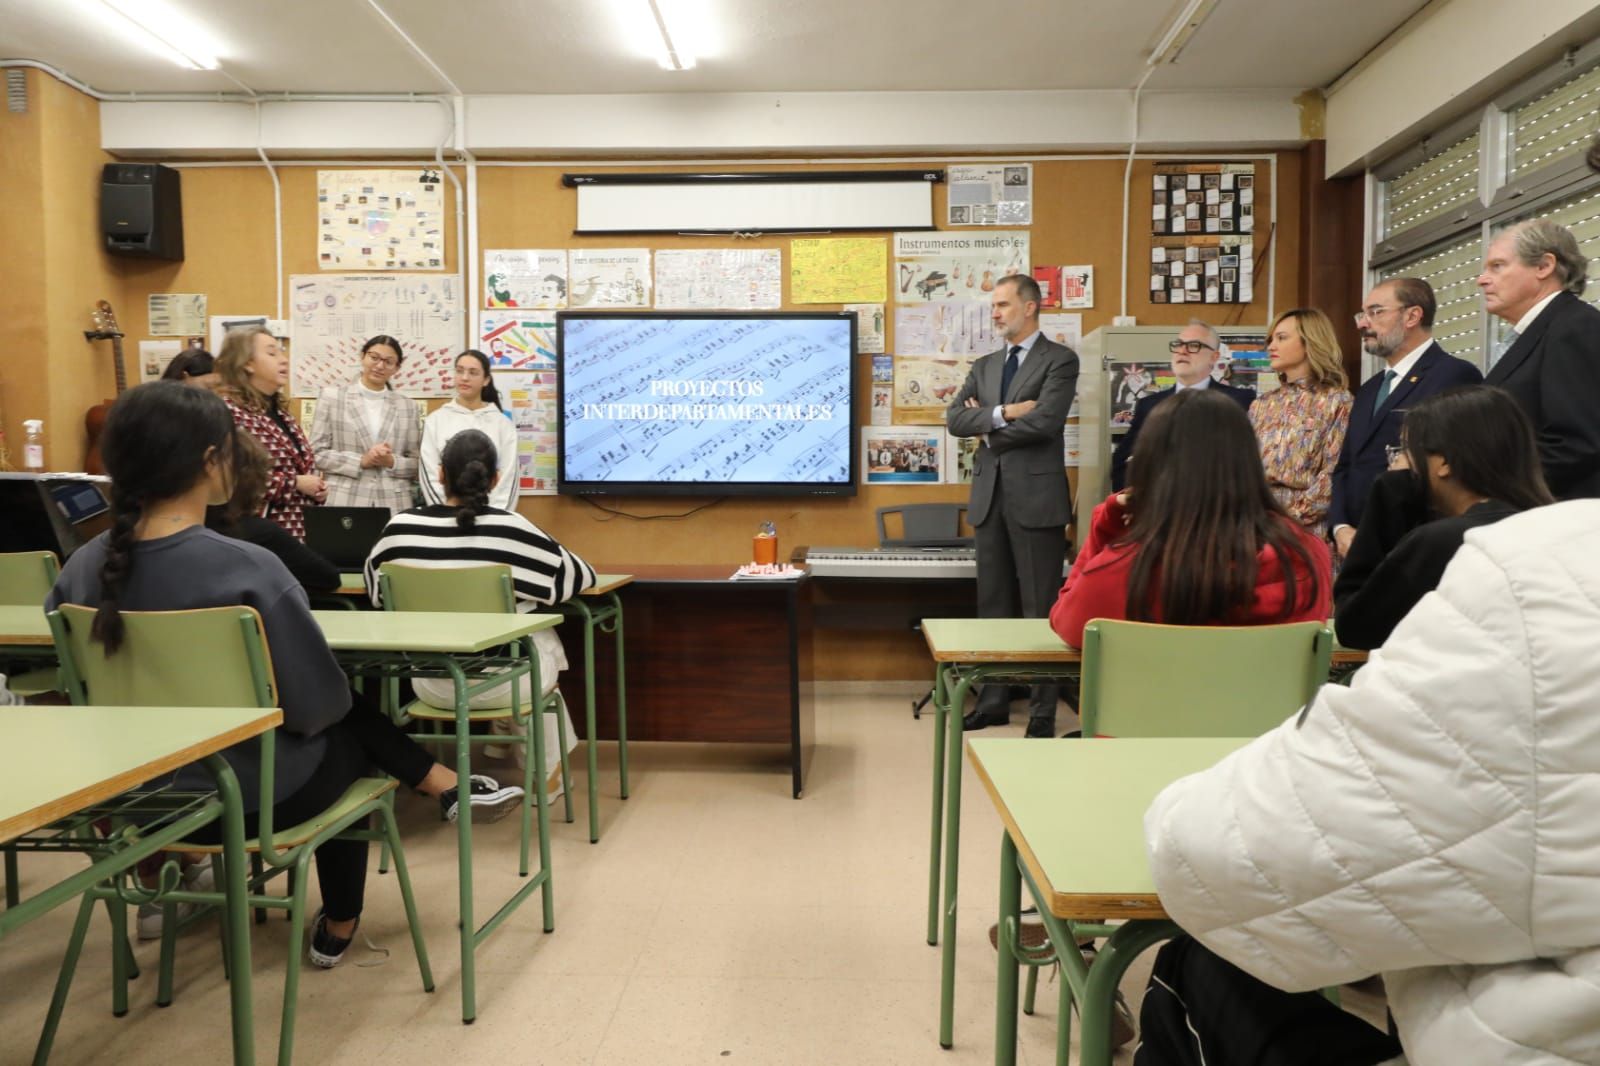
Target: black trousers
(1200, 1008)
(362, 739)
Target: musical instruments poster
(965, 328)
(332, 315)
(380, 220)
(938, 267)
(924, 387)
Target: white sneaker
(197, 877)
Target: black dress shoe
(1041, 727)
(980, 718)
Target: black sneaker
(489, 799)
(326, 949)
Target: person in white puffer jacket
(1437, 822)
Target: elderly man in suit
(1194, 354)
(1396, 324)
(1015, 401)
(1533, 276)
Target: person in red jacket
(1197, 538)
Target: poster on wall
(965, 328)
(1202, 270)
(960, 456)
(900, 455)
(924, 387)
(380, 219)
(990, 195)
(837, 270)
(219, 326)
(1065, 328)
(932, 267)
(1196, 198)
(154, 357)
(882, 390)
(608, 277)
(869, 327)
(335, 314)
(176, 314)
(712, 279)
(1065, 286)
(530, 399)
(533, 278)
(518, 342)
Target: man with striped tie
(1016, 400)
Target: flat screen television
(706, 403)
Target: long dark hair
(469, 462)
(393, 345)
(490, 393)
(252, 475)
(1487, 440)
(155, 446)
(1202, 511)
(190, 364)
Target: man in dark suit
(1533, 276)
(1396, 324)
(1194, 354)
(1015, 401)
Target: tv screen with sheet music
(706, 403)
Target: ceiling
(605, 46)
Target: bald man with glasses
(1194, 354)
(1396, 325)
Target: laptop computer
(345, 535)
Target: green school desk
(1077, 867)
(600, 608)
(967, 652)
(115, 749)
(464, 648)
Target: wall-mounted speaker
(141, 211)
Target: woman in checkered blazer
(254, 371)
(366, 436)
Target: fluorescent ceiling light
(1181, 29)
(168, 32)
(672, 55)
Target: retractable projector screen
(754, 203)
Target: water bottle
(33, 445)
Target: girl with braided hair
(170, 452)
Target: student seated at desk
(241, 519)
(1197, 538)
(1471, 460)
(465, 530)
(170, 451)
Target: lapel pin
(1412, 379)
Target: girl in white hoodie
(476, 406)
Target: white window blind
(1581, 215)
(1453, 272)
(1556, 124)
(1445, 180)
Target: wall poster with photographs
(1202, 270)
(1196, 198)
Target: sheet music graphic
(707, 399)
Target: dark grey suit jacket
(1025, 457)
(1553, 371)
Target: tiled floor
(717, 921)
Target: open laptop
(345, 535)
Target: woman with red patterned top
(1198, 538)
(254, 371)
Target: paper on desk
(766, 572)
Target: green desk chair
(1146, 680)
(483, 589)
(155, 666)
(26, 578)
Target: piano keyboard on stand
(893, 562)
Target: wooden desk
(1074, 832)
(966, 652)
(436, 644)
(726, 661)
(113, 750)
(599, 608)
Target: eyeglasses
(1397, 458)
(1367, 314)
(382, 362)
(1192, 347)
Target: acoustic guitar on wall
(94, 421)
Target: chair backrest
(925, 525)
(26, 578)
(1143, 680)
(484, 589)
(213, 657)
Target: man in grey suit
(1015, 401)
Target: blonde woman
(366, 436)
(1301, 424)
(254, 371)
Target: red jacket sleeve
(1097, 586)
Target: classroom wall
(229, 236)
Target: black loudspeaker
(141, 211)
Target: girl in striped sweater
(466, 531)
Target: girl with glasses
(366, 436)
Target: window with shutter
(1453, 271)
(1554, 125)
(1445, 180)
